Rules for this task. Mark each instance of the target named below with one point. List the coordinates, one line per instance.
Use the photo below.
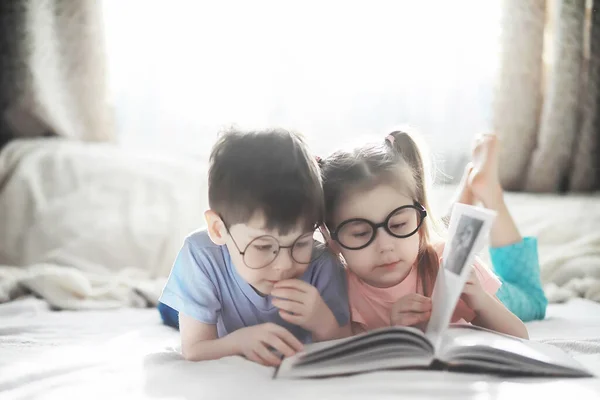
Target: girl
(391, 271)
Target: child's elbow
(194, 351)
(188, 354)
(524, 333)
(521, 331)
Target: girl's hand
(474, 295)
(412, 309)
(301, 304)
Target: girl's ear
(216, 228)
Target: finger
(288, 294)
(403, 303)
(425, 316)
(413, 314)
(473, 276)
(252, 356)
(468, 289)
(414, 305)
(418, 297)
(267, 355)
(287, 337)
(422, 306)
(289, 306)
(281, 346)
(291, 318)
(406, 320)
(294, 284)
(410, 319)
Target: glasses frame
(418, 207)
(279, 247)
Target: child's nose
(284, 260)
(385, 241)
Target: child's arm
(490, 312)
(199, 342)
(495, 316)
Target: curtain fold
(53, 70)
(546, 99)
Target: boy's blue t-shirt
(205, 285)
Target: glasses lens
(261, 252)
(404, 222)
(302, 251)
(354, 234)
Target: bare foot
(483, 180)
(463, 193)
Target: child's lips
(388, 266)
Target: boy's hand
(301, 304)
(255, 343)
(473, 293)
(412, 309)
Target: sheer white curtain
(338, 71)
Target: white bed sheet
(128, 354)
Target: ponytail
(408, 147)
(405, 145)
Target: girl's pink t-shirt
(371, 306)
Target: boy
(254, 280)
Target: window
(338, 71)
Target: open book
(463, 348)
(442, 345)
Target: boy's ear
(216, 228)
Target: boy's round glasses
(358, 233)
(263, 250)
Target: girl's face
(388, 259)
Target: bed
(128, 354)
(107, 340)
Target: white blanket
(89, 226)
(128, 354)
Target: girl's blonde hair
(400, 160)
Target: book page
(473, 345)
(467, 232)
(392, 347)
(403, 339)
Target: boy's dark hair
(269, 171)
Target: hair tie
(320, 161)
(390, 138)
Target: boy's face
(252, 239)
